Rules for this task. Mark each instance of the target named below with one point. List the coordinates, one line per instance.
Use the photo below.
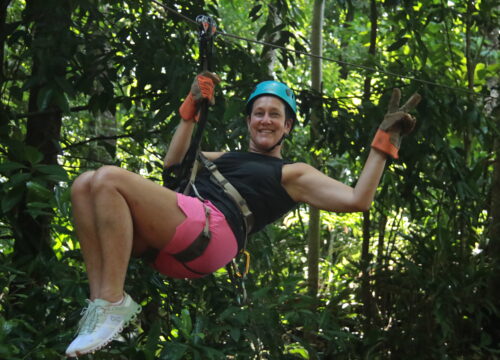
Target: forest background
(86, 83)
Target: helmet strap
(280, 140)
(278, 143)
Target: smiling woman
(267, 125)
(118, 213)
(270, 106)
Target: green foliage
(118, 72)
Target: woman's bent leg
(125, 208)
(115, 233)
(129, 207)
(86, 231)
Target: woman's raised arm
(203, 87)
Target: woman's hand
(397, 123)
(203, 87)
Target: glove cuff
(188, 109)
(382, 142)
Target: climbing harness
(230, 191)
(181, 177)
(237, 277)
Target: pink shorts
(221, 249)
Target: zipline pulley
(207, 32)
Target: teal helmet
(274, 88)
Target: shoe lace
(90, 317)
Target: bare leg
(116, 212)
(115, 233)
(129, 208)
(86, 230)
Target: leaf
(44, 98)
(36, 209)
(56, 172)
(235, 333)
(263, 31)
(173, 351)
(253, 13)
(12, 198)
(233, 110)
(187, 325)
(61, 101)
(10, 166)
(32, 155)
(19, 178)
(161, 115)
(38, 191)
(66, 86)
(152, 340)
(472, 116)
(397, 44)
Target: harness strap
(231, 191)
(192, 178)
(198, 246)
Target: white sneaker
(101, 323)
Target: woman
(118, 213)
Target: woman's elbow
(170, 161)
(361, 205)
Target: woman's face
(267, 123)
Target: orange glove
(202, 88)
(397, 123)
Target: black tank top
(258, 179)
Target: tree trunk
(373, 46)
(493, 110)
(470, 65)
(366, 289)
(467, 131)
(102, 124)
(349, 17)
(32, 235)
(3, 18)
(379, 293)
(494, 228)
(269, 53)
(314, 214)
(493, 248)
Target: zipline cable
(82, 108)
(345, 63)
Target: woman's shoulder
(297, 167)
(213, 155)
(293, 171)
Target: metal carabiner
(247, 265)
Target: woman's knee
(107, 177)
(81, 185)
